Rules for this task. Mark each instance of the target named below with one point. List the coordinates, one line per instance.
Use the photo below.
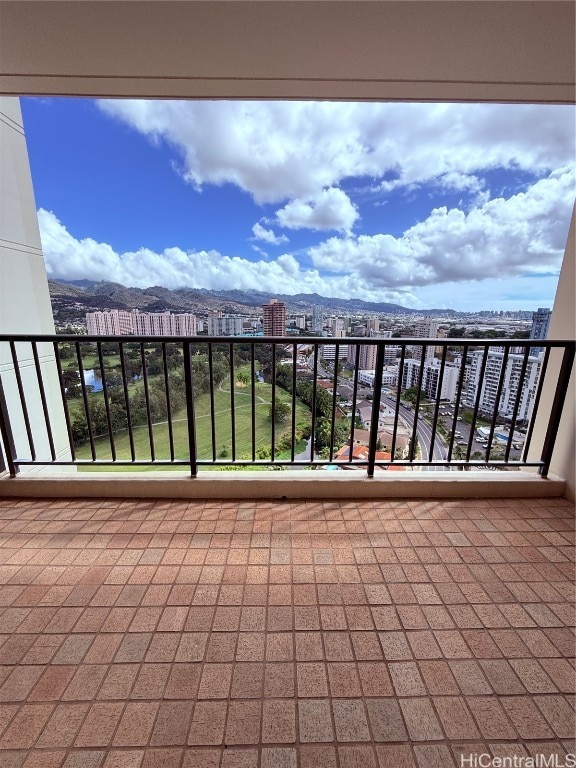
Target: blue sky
(426, 205)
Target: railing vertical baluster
(64, 401)
(212, 404)
(106, 403)
(541, 378)
(85, 401)
(437, 402)
(477, 402)
(459, 388)
(375, 409)
(232, 402)
(168, 401)
(147, 401)
(314, 387)
(497, 400)
(253, 398)
(190, 410)
(354, 400)
(294, 362)
(127, 400)
(517, 402)
(273, 434)
(334, 398)
(413, 439)
(22, 396)
(43, 400)
(557, 407)
(398, 393)
(6, 434)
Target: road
(424, 433)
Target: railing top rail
(303, 340)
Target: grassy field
(92, 361)
(223, 428)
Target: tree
(279, 412)
(410, 395)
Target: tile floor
(175, 634)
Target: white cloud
(267, 235)
(330, 209)
(463, 260)
(281, 151)
(524, 234)
(69, 258)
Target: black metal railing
(296, 402)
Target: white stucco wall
(24, 297)
(562, 326)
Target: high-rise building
(540, 323)
(115, 322)
(510, 385)
(427, 328)
(539, 330)
(366, 356)
(373, 326)
(225, 326)
(328, 352)
(274, 318)
(431, 378)
(317, 324)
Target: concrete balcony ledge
(287, 484)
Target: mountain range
(106, 295)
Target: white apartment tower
(225, 326)
(431, 378)
(511, 384)
(317, 324)
(540, 323)
(427, 328)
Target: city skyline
(462, 206)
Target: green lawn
(91, 361)
(223, 423)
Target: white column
(24, 297)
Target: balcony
(268, 634)
(213, 403)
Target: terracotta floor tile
(374, 679)
(406, 679)
(208, 721)
(279, 722)
(558, 713)
(239, 758)
(491, 718)
(99, 725)
(140, 634)
(350, 720)
(455, 718)
(317, 756)
(421, 721)
(61, 729)
(247, 681)
(172, 723)
(434, 756)
(278, 757)
(357, 757)
(244, 721)
(279, 680)
(343, 679)
(386, 720)
(315, 722)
